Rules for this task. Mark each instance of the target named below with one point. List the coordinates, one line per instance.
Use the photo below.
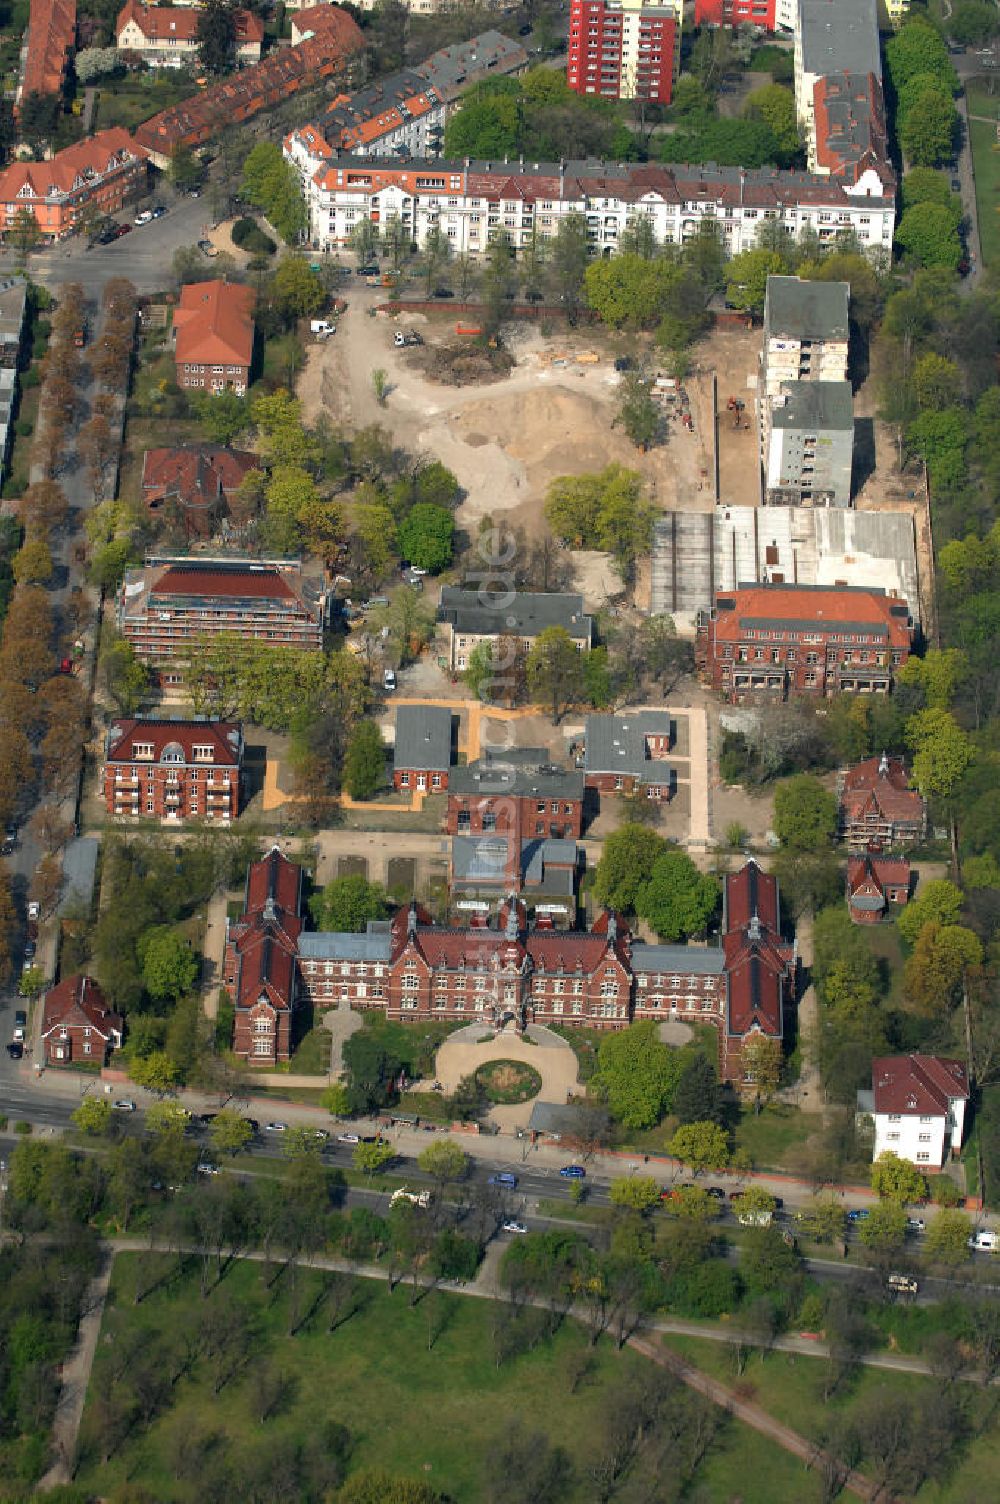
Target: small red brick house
(213, 337)
(515, 790)
(173, 770)
(260, 966)
(873, 883)
(77, 1024)
(421, 757)
(877, 806)
(194, 483)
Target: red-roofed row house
(48, 47)
(98, 174)
(334, 40)
(173, 770)
(772, 641)
(413, 970)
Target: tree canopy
(347, 903)
(637, 1074)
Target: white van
(322, 328)
(415, 1198)
(984, 1241)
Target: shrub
(24, 427)
(249, 236)
(22, 1128)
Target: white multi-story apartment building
(475, 202)
(917, 1103)
(402, 114)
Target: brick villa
(626, 754)
(77, 1024)
(173, 770)
(877, 807)
(213, 337)
(412, 969)
(194, 484)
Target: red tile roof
(194, 477)
(838, 609)
(920, 1084)
(267, 961)
(242, 94)
(880, 784)
(72, 168)
(158, 22)
(273, 878)
(750, 892)
(50, 40)
(224, 737)
(213, 324)
(78, 1002)
(884, 870)
(217, 583)
(850, 128)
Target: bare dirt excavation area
(507, 439)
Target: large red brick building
(172, 603)
(77, 1024)
(772, 641)
(173, 770)
(411, 969)
(213, 337)
(95, 176)
(877, 807)
(260, 968)
(626, 754)
(623, 49)
(516, 791)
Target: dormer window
(201, 754)
(142, 751)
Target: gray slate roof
(484, 859)
(521, 771)
(334, 945)
(839, 36)
(683, 959)
(806, 310)
(524, 615)
(423, 738)
(454, 68)
(814, 405)
(557, 1119)
(617, 744)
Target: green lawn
(770, 1134)
(986, 162)
(128, 101)
(791, 1389)
(431, 1410)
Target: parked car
(403, 338)
(19, 1034)
(207, 1168)
(367, 271)
(20, 1018)
(348, 1138)
(504, 1178)
(122, 230)
(858, 1214)
(124, 1104)
(985, 1241)
(442, 292)
(29, 949)
(902, 1284)
(144, 216)
(915, 1224)
(108, 234)
(716, 1192)
(415, 1198)
(389, 680)
(573, 1172)
(275, 1127)
(9, 846)
(159, 210)
(15, 1050)
(207, 247)
(956, 185)
(34, 911)
(513, 1227)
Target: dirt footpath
(507, 441)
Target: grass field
(986, 162)
(770, 1134)
(434, 1411)
(791, 1389)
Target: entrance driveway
(551, 1056)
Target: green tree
(169, 965)
(746, 278)
(637, 413)
(895, 1179)
(775, 105)
(125, 677)
(444, 1162)
(223, 415)
(942, 751)
(935, 381)
(918, 48)
(346, 904)
(883, 1231)
(626, 865)
(31, 982)
(364, 760)
(216, 36)
(166, 1117)
(426, 536)
(298, 291)
(937, 902)
(973, 23)
(703, 1146)
(637, 1075)
(376, 1486)
(805, 813)
(24, 234)
(629, 290)
(943, 957)
(186, 171)
(568, 262)
(947, 1239)
(93, 1116)
(229, 1132)
(928, 234)
(761, 1060)
(698, 1097)
(33, 563)
(372, 1159)
(155, 1071)
(929, 130)
(823, 1219)
(639, 1193)
(555, 671)
(731, 143)
(486, 127)
(336, 1099)
(409, 621)
(272, 184)
(677, 900)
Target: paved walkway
(550, 1056)
(213, 958)
(76, 1377)
(342, 1022)
(807, 1092)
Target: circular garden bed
(509, 1081)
